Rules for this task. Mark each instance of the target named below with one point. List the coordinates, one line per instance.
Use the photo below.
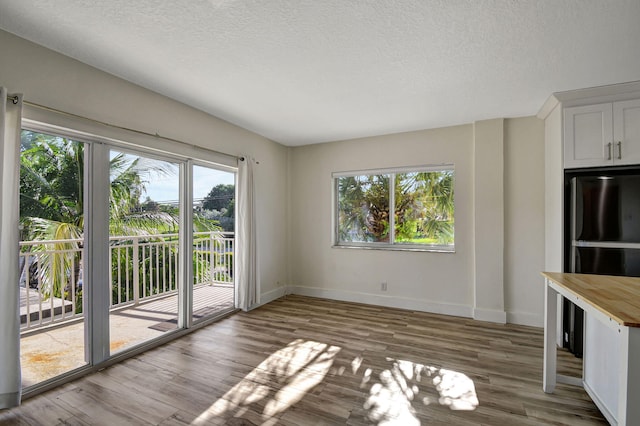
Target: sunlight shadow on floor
(405, 383)
(279, 382)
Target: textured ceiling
(301, 72)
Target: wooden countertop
(616, 297)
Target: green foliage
(157, 266)
(51, 180)
(51, 205)
(219, 206)
(220, 197)
(150, 206)
(423, 209)
(203, 224)
(129, 177)
(363, 203)
(231, 208)
(157, 269)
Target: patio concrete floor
(53, 351)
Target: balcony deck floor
(51, 352)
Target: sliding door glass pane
(213, 241)
(143, 222)
(51, 255)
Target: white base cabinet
(601, 364)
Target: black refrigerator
(602, 233)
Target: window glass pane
(213, 242)
(51, 256)
(363, 208)
(143, 227)
(424, 207)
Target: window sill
(397, 247)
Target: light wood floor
(306, 361)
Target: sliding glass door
(213, 241)
(51, 283)
(143, 248)
(143, 225)
(119, 247)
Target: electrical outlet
(383, 286)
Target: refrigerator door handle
(574, 216)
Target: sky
(165, 187)
(205, 178)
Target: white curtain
(10, 124)
(248, 282)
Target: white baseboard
(388, 301)
(525, 318)
(490, 315)
(270, 296)
(520, 318)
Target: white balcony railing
(142, 268)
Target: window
(395, 208)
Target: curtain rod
(15, 100)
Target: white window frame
(391, 245)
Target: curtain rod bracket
(243, 158)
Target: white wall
(488, 209)
(435, 282)
(554, 191)
(524, 194)
(56, 81)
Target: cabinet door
(588, 132)
(626, 132)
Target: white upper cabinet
(626, 131)
(587, 136)
(604, 134)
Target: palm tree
(51, 204)
(126, 217)
(423, 207)
(51, 185)
(51, 181)
(364, 208)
